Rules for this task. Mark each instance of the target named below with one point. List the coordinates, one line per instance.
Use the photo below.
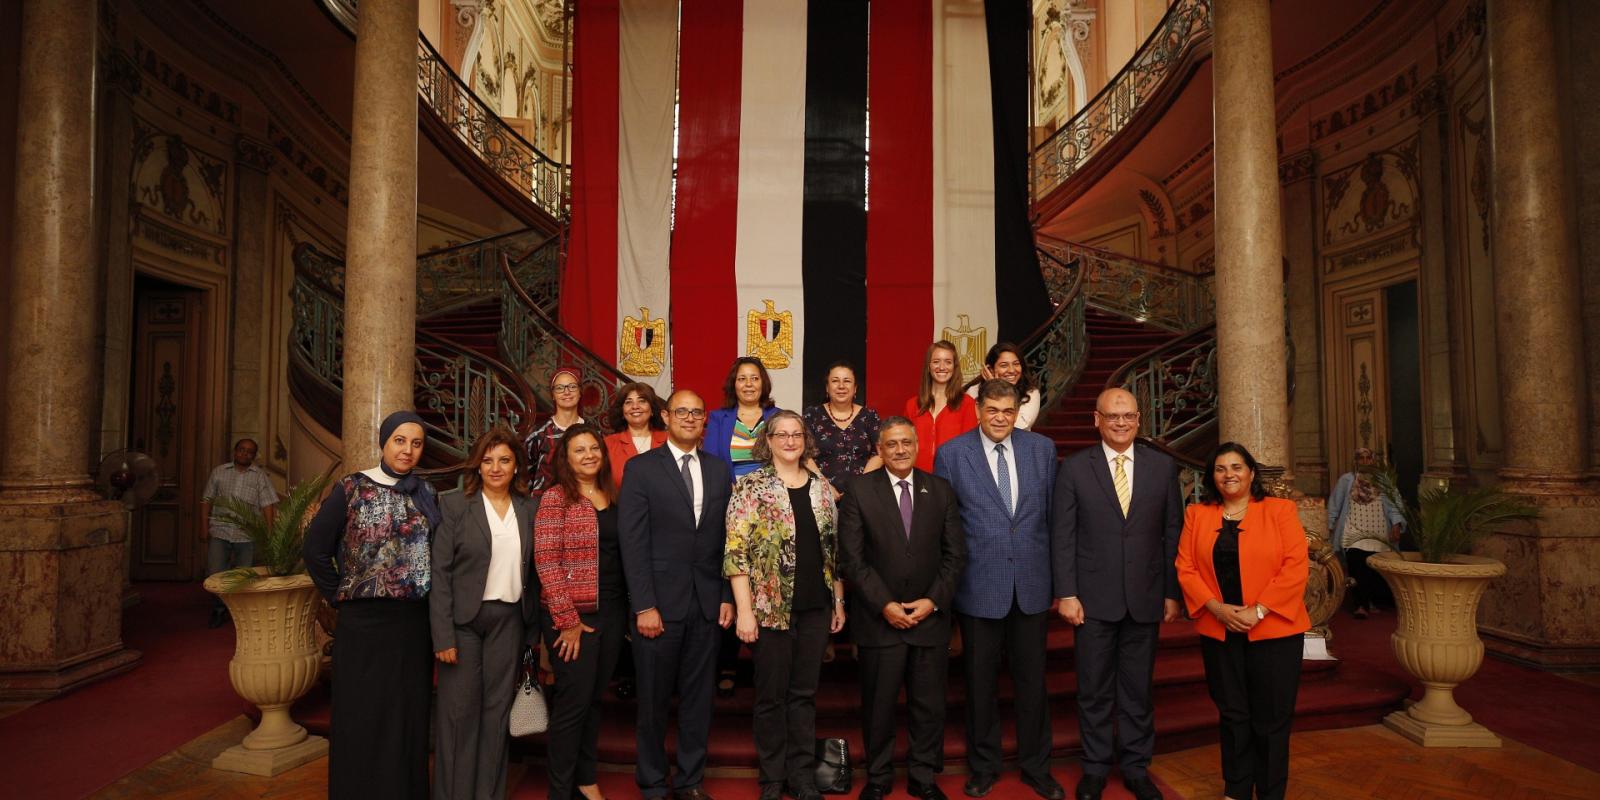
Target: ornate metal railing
(461, 394)
(1187, 23)
(499, 147)
(468, 273)
(1056, 351)
(316, 330)
(1176, 386)
(535, 345)
(1152, 293)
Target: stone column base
(61, 581)
(1541, 613)
(1432, 734)
(268, 763)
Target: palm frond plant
(279, 543)
(1446, 523)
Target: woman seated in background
(845, 431)
(938, 410)
(565, 391)
(731, 431)
(1242, 566)
(636, 423)
(579, 562)
(1360, 520)
(781, 558)
(483, 609)
(1004, 362)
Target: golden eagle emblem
(972, 344)
(643, 344)
(769, 336)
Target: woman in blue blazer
(731, 431)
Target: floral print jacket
(761, 541)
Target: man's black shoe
(771, 791)
(1047, 787)
(979, 783)
(1142, 788)
(803, 793)
(1090, 787)
(925, 791)
(874, 791)
(219, 615)
(696, 793)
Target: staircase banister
(1112, 255)
(489, 241)
(467, 91)
(1063, 305)
(1120, 376)
(601, 364)
(523, 390)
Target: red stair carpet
(1113, 341)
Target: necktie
(1119, 479)
(1002, 476)
(688, 478)
(905, 506)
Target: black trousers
(1370, 589)
(382, 688)
(573, 739)
(788, 665)
(1021, 637)
(924, 672)
(683, 657)
(1116, 664)
(1254, 686)
(473, 719)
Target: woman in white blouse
(1004, 362)
(481, 609)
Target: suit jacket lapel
(524, 526)
(980, 456)
(675, 473)
(482, 517)
(1102, 473)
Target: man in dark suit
(1002, 479)
(671, 513)
(1118, 515)
(901, 547)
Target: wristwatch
(1261, 612)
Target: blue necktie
(1002, 476)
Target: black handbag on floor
(833, 766)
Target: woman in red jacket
(940, 410)
(1242, 565)
(579, 562)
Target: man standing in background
(228, 547)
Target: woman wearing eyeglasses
(732, 431)
(780, 556)
(565, 390)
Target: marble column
(1253, 404)
(1538, 331)
(1297, 173)
(61, 546)
(380, 303)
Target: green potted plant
(275, 657)
(1436, 589)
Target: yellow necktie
(1120, 481)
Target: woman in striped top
(732, 431)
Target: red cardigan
(619, 447)
(1272, 566)
(566, 552)
(932, 432)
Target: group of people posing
(683, 525)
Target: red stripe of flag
(589, 280)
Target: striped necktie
(1119, 479)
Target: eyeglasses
(788, 437)
(564, 388)
(689, 413)
(1132, 416)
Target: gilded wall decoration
(180, 83)
(179, 181)
(1061, 41)
(1369, 197)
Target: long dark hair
(567, 479)
(491, 439)
(1025, 382)
(619, 423)
(953, 393)
(730, 398)
(1213, 495)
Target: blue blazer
(672, 564)
(719, 435)
(1008, 554)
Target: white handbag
(529, 715)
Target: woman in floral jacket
(781, 559)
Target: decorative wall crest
(1367, 198)
(180, 182)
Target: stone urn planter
(1436, 640)
(275, 662)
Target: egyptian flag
(850, 185)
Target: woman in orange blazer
(1242, 565)
(635, 416)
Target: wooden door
(167, 374)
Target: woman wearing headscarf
(566, 390)
(1360, 520)
(484, 609)
(368, 552)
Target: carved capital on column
(1298, 167)
(257, 155)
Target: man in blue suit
(671, 531)
(1002, 478)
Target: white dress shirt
(1111, 462)
(894, 486)
(504, 581)
(697, 469)
(990, 449)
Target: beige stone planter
(274, 663)
(1437, 641)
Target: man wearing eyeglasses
(672, 510)
(1118, 513)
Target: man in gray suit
(1118, 513)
